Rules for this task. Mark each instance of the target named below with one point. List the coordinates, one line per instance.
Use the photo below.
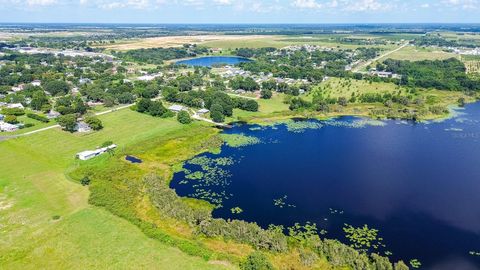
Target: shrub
(256, 261)
(85, 181)
(38, 117)
(184, 118)
(11, 119)
(13, 111)
(94, 122)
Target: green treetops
(68, 122)
(184, 118)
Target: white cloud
(223, 2)
(367, 5)
(464, 4)
(41, 2)
(306, 4)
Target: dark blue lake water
(419, 184)
(209, 61)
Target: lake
(210, 61)
(417, 183)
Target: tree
(57, 87)
(39, 99)
(126, 98)
(143, 105)
(184, 118)
(156, 109)
(94, 122)
(85, 181)
(68, 122)
(266, 93)
(461, 102)
(256, 261)
(11, 119)
(342, 101)
(216, 113)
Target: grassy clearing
(417, 54)
(45, 218)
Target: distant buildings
(15, 106)
(89, 154)
(149, 77)
(6, 127)
(82, 127)
(384, 74)
(177, 108)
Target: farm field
(48, 218)
(417, 54)
(175, 41)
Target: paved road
(359, 67)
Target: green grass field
(34, 189)
(418, 54)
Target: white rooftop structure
(36, 83)
(7, 127)
(15, 106)
(202, 111)
(176, 108)
(86, 155)
(148, 77)
(82, 127)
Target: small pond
(210, 61)
(418, 184)
(133, 159)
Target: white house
(15, 106)
(82, 127)
(86, 155)
(53, 114)
(202, 111)
(36, 83)
(177, 108)
(7, 127)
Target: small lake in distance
(209, 61)
(417, 183)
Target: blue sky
(240, 11)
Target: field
(45, 219)
(417, 54)
(175, 41)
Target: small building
(84, 81)
(37, 83)
(53, 114)
(15, 106)
(202, 111)
(177, 108)
(83, 127)
(89, 154)
(6, 127)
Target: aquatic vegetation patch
(236, 210)
(239, 140)
(474, 253)
(415, 263)
(282, 202)
(301, 126)
(335, 211)
(363, 238)
(358, 123)
(211, 178)
(195, 175)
